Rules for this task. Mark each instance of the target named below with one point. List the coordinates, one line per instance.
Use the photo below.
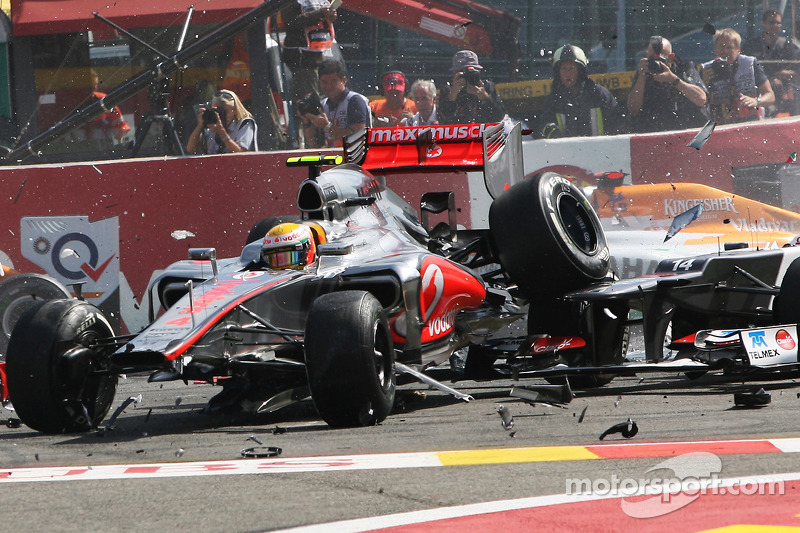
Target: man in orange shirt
(395, 106)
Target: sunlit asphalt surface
(168, 425)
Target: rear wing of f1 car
(494, 148)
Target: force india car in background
(639, 222)
(388, 295)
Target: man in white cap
(469, 97)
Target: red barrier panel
(663, 158)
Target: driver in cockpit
(291, 246)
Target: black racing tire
(547, 237)
(350, 359)
(786, 307)
(260, 228)
(50, 392)
(18, 293)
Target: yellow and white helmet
(288, 245)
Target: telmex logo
(394, 135)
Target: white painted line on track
(221, 468)
(363, 525)
(391, 460)
(787, 445)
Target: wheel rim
(578, 224)
(382, 359)
(13, 312)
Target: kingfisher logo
(674, 207)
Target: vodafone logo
(281, 238)
(785, 340)
(244, 276)
(432, 289)
(434, 151)
(442, 324)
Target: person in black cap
(469, 97)
(577, 106)
(394, 107)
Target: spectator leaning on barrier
(577, 106)
(469, 97)
(394, 106)
(667, 94)
(342, 111)
(424, 93)
(738, 87)
(780, 58)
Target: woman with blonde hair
(225, 125)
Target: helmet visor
(286, 257)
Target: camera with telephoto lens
(210, 115)
(472, 76)
(309, 104)
(721, 68)
(655, 65)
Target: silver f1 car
(389, 296)
(386, 295)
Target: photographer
(667, 94)
(225, 125)
(738, 87)
(469, 97)
(310, 106)
(342, 111)
(577, 106)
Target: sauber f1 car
(385, 295)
